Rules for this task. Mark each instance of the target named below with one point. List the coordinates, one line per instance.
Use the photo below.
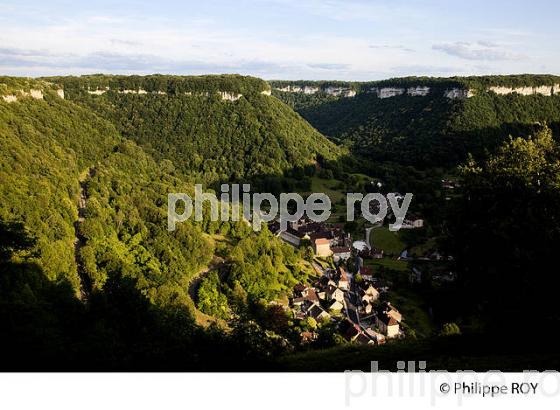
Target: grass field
(414, 310)
(390, 242)
(336, 195)
(388, 263)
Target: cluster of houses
(326, 240)
(328, 300)
(355, 306)
(323, 299)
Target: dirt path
(79, 240)
(216, 263)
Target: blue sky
(280, 39)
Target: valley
(94, 280)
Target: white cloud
(481, 50)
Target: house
(371, 253)
(308, 337)
(299, 315)
(336, 306)
(343, 282)
(301, 290)
(387, 309)
(373, 335)
(309, 297)
(318, 313)
(369, 294)
(290, 235)
(322, 247)
(412, 222)
(387, 325)
(341, 252)
(325, 282)
(366, 271)
(350, 331)
(334, 293)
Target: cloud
(391, 47)
(329, 66)
(488, 44)
(481, 50)
(17, 52)
(103, 61)
(129, 43)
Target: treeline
(171, 84)
(12, 85)
(437, 84)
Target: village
(346, 293)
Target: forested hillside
(45, 145)
(428, 130)
(215, 128)
(91, 277)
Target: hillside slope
(427, 121)
(91, 277)
(216, 128)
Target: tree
(450, 329)
(503, 229)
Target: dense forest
(211, 139)
(432, 130)
(73, 281)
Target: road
(217, 263)
(351, 301)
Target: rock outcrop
(458, 93)
(420, 91)
(225, 95)
(546, 90)
(33, 93)
(388, 92)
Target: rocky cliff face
(458, 93)
(420, 91)
(542, 89)
(451, 88)
(306, 89)
(33, 93)
(388, 92)
(225, 95)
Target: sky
(280, 39)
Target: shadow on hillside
(46, 328)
